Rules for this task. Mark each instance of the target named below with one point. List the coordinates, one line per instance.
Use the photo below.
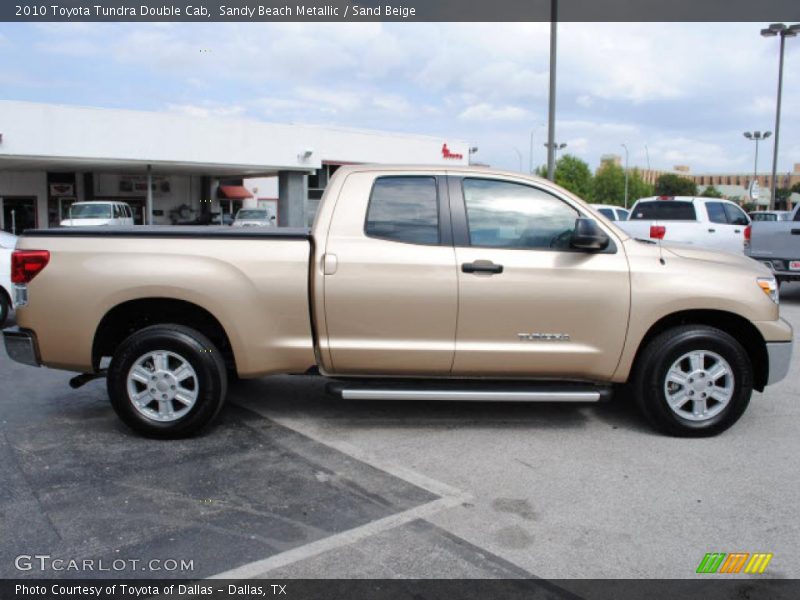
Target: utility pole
(626, 175)
(551, 109)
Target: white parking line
(450, 497)
(260, 567)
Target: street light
(472, 150)
(756, 136)
(626, 175)
(784, 31)
(556, 147)
(519, 154)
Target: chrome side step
(474, 396)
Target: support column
(292, 195)
(149, 209)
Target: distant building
(733, 186)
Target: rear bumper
(21, 346)
(780, 357)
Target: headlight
(769, 285)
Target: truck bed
(175, 231)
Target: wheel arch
(734, 325)
(127, 317)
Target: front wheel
(693, 381)
(167, 381)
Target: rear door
(529, 305)
(390, 282)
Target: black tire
(5, 307)
(188, 344)
(658, 357)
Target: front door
(528, 303)
(390, 281)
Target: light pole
(472, 150)
(756, 136)
(519, 154)
(626, 174)
(784, 31)
(551, 104)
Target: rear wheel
(693, 381)
(167, 381)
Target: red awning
(234, 192)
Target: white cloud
(206, 110)
(487, 112)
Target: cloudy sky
(684, 91)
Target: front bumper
(21, 346)
(780, 357)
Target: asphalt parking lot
(293, 483)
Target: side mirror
(588, 236)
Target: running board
(463, 391)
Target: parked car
(705, 222)
(770, 215)
(427, 283)
(253, 217)
(7, 244)
(777, 245)
(614, 213)
(98, 212)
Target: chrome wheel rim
(699, 385)
(162, 386)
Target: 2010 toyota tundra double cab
(414, 283)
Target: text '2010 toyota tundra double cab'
(414, 283)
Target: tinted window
(735, 215)
(404, 209)
(664, 210)
(607, 212)
(510, 215)
(764, 217)
(716, 213)
(622, 214)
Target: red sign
(447, 154)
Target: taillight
(657, 232)
(748, 231)
(26, 264)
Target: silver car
(253, 217)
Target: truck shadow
(296, 397)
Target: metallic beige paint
(257, 289)
(388, 308)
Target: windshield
(664, 210)
(90, 211)
(252, 215)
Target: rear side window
(404, 209)
(607, 212)
(716, 212)
(664, 210)
(735, 215)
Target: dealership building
(175, 169)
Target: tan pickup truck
(414, 283)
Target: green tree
(711, 192)
(796, 188)
(573, 174)
(670, 184)
(637, 187)
(609, 185)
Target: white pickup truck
(705, 222)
